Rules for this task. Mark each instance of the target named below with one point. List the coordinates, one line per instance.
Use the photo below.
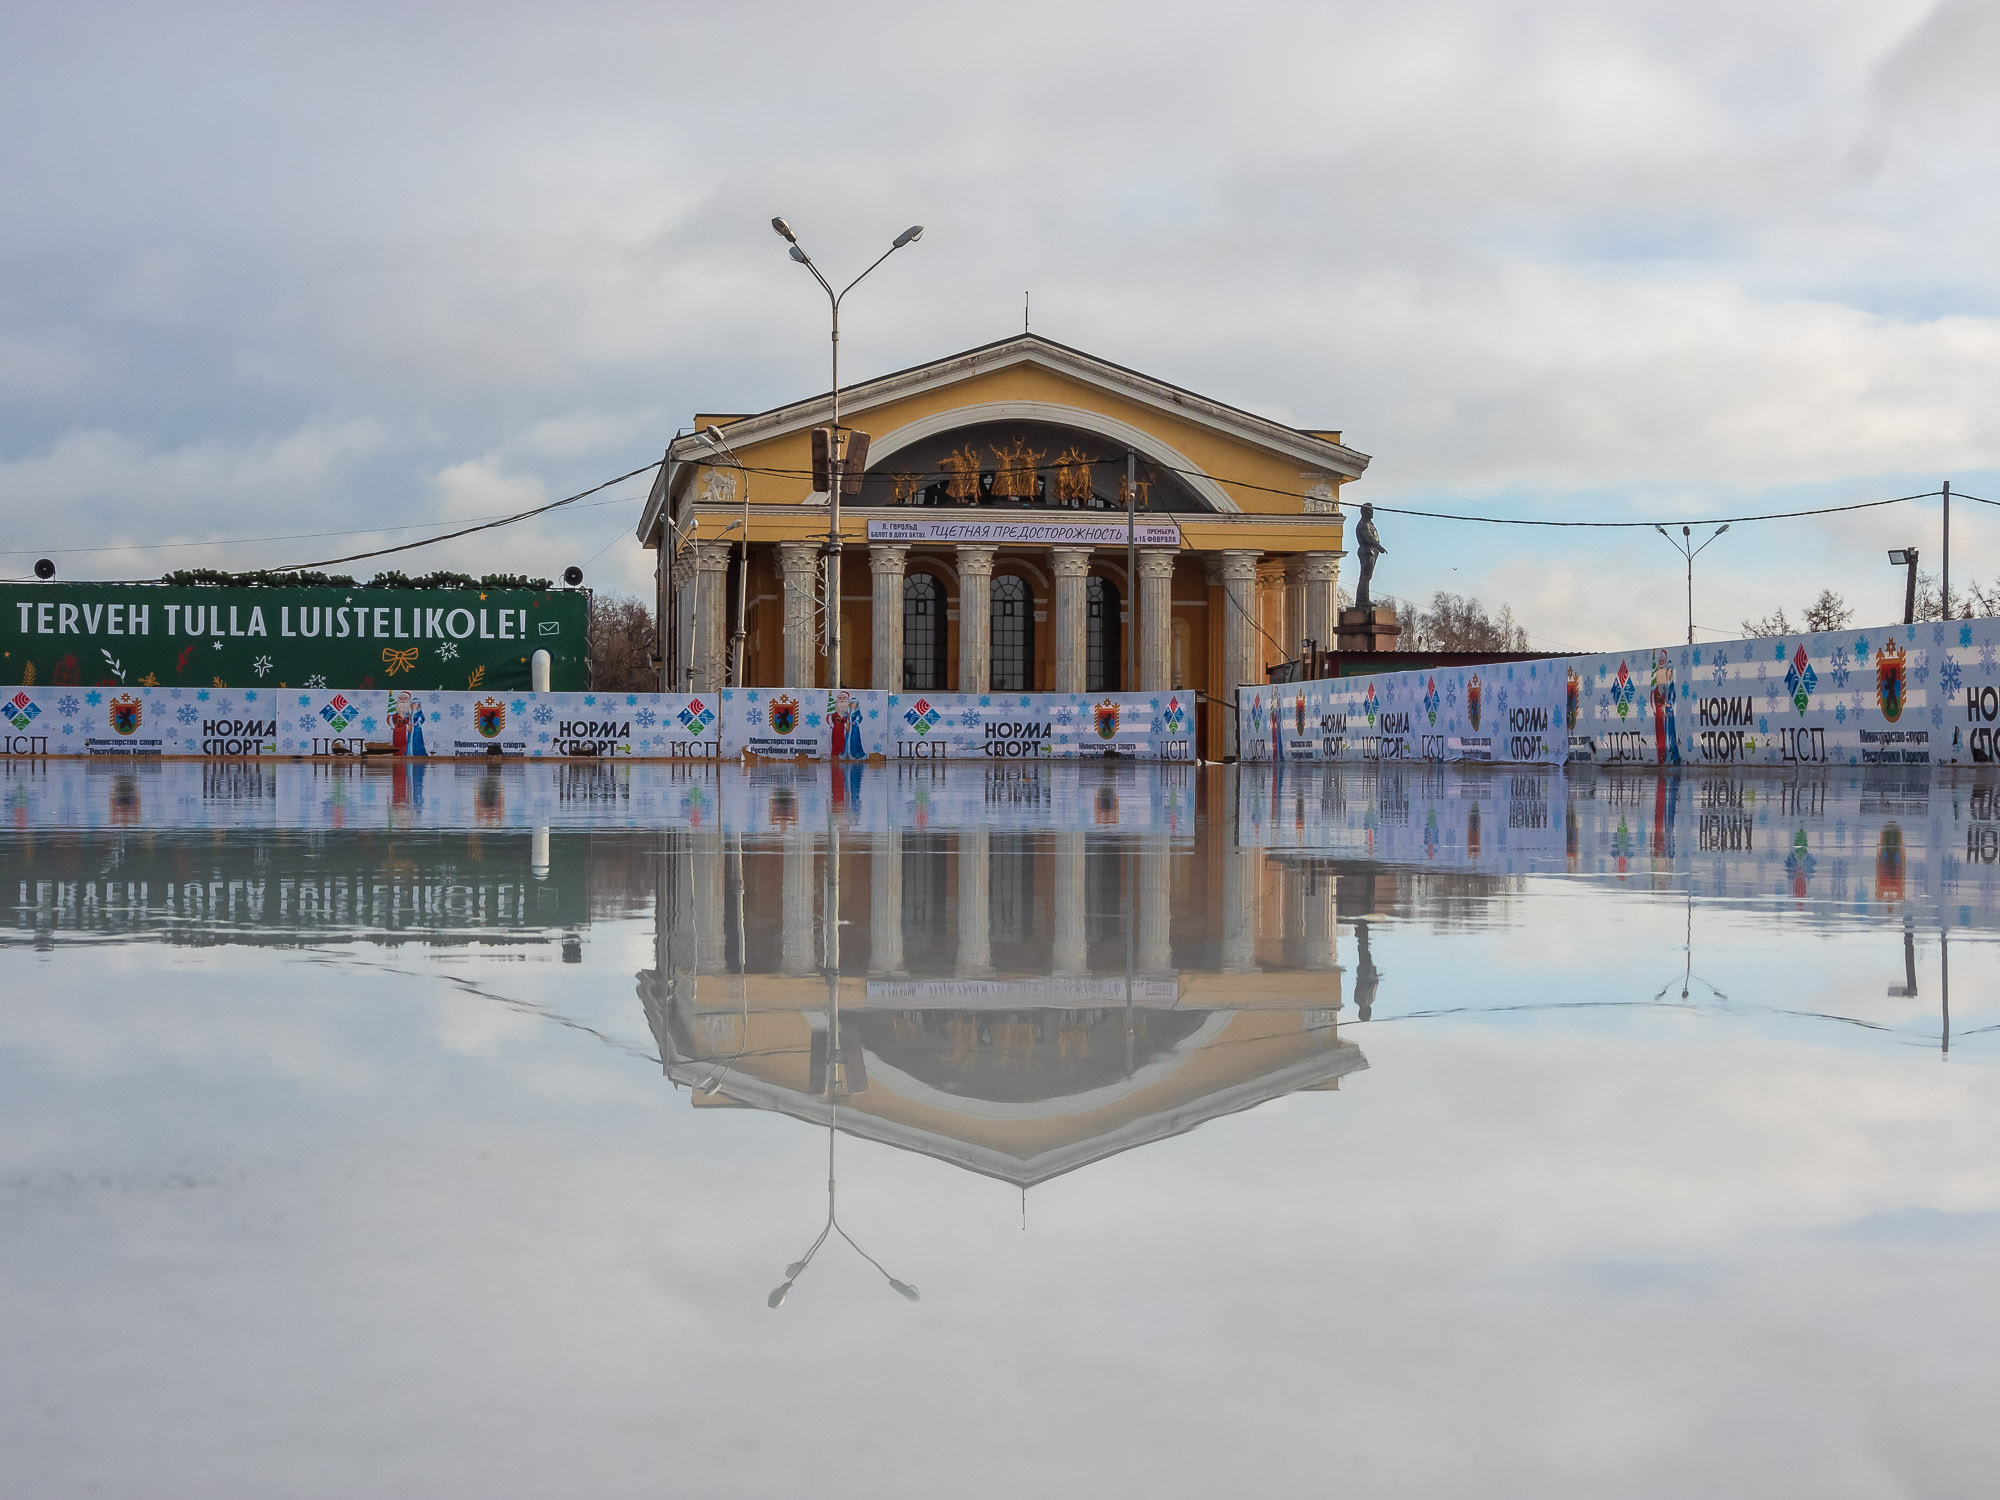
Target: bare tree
(1828, 612)
(1772, 624)
(1453, 622)
(621, 645)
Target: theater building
(988, 545)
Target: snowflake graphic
(1861, 648)
(521, 705)
(1840, 713)
(589, 701)
(544, 714)
(69, 729)
(970, 718)
(1937, 634)
(1986, 659)
(448, 651)
(1937, 716)
(812, 721)
(1720, 672)
(188, 713)
(368, 726)
(261, 666)
(1840, 670)
(645, 718)
(94, 698)
(1949, 676)
(1965, 634)
(315, 682)
(631, 700)
(1921, 672)
(542, 738)
(67, 704)
(458, 710)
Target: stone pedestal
(1375, 629)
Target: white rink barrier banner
(1897, 695)
(774, 723)
(140, 722)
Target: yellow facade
(982, 437)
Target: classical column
(800, 561)
(975, 914)
(711, 624)
(1239, 575)
(975, 618)
(1273, 621)
(885, 904)
(1068, 619)
(795, 938)
(1155, 940)
(1316, 923)
(1321, 571)
(1156, 618)
(681, 655)
(1072, 950)
(1295, 609)
(885, 562)
(707, 864)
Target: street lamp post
(1686, 548)
(1906, 557)
(784, 231)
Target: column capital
(798, 557)
(1269, 580)
(1069, 562)
(1320, 567)
(976, 562)
(887, 558)
(712, 557)
(1157, 564)
(1237, 566)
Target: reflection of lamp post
(798, 1267)
(784, 231)
(1690, 553)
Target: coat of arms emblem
(1889, 663)
(1475, 699)
(125, 714)
(783, 715)
(1105, 717)
(1572, 700)
(489, 717)
(1299, 715)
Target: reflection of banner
(1925, 694)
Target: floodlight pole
(1684, 547)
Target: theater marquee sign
(1037, 533)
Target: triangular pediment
(1028, 379)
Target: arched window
(1102, 634)
(1013, 636)
(923, 634)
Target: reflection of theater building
(995, 1008)
(942, 588)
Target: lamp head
(712, 435)
(1899, 557)
(800, 256)
(905, 1290)
(784, 231)
(1684, 531)
(1722, 528)
(1662, 530)
(914, 232)
(778, 1294)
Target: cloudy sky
(274, 271)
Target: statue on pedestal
(1368, 541)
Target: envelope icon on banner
(552, 627)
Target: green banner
(154, 635)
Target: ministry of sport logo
(22, 710)
(338, 713)
(696, 717)
(921, 717)
(1430, 699)
(1173, 716)
(1889, 664)
(489, 717)
(1800, 680)
(1106, 719)
(783, 715)
(125, 714)
(1623, 691)
(1475, 699)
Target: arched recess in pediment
(1119, 434)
